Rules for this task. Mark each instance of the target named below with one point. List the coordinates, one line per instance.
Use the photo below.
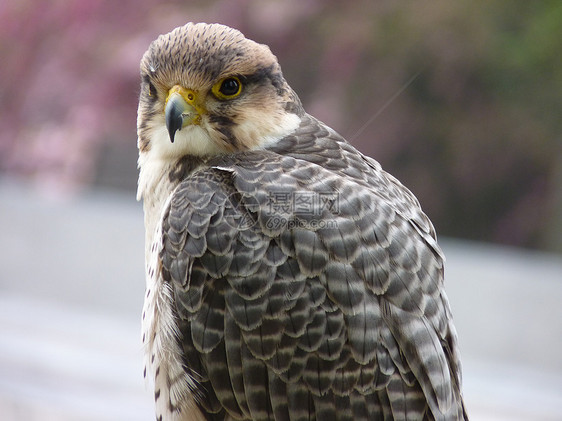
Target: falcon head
(208, 90)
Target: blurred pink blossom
(475, 134)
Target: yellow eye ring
(227, 88)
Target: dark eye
(228, 88)
(151, 89)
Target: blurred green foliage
(460, 100)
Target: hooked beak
(181, 110)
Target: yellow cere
(187, 94)
(191, 97)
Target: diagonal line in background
(385, 106)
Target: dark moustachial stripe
(224, 125)
(221, 120)
(184, 167)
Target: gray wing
(303, 294)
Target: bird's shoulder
(313, 160)
(312, 181)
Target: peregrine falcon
(288, 276)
